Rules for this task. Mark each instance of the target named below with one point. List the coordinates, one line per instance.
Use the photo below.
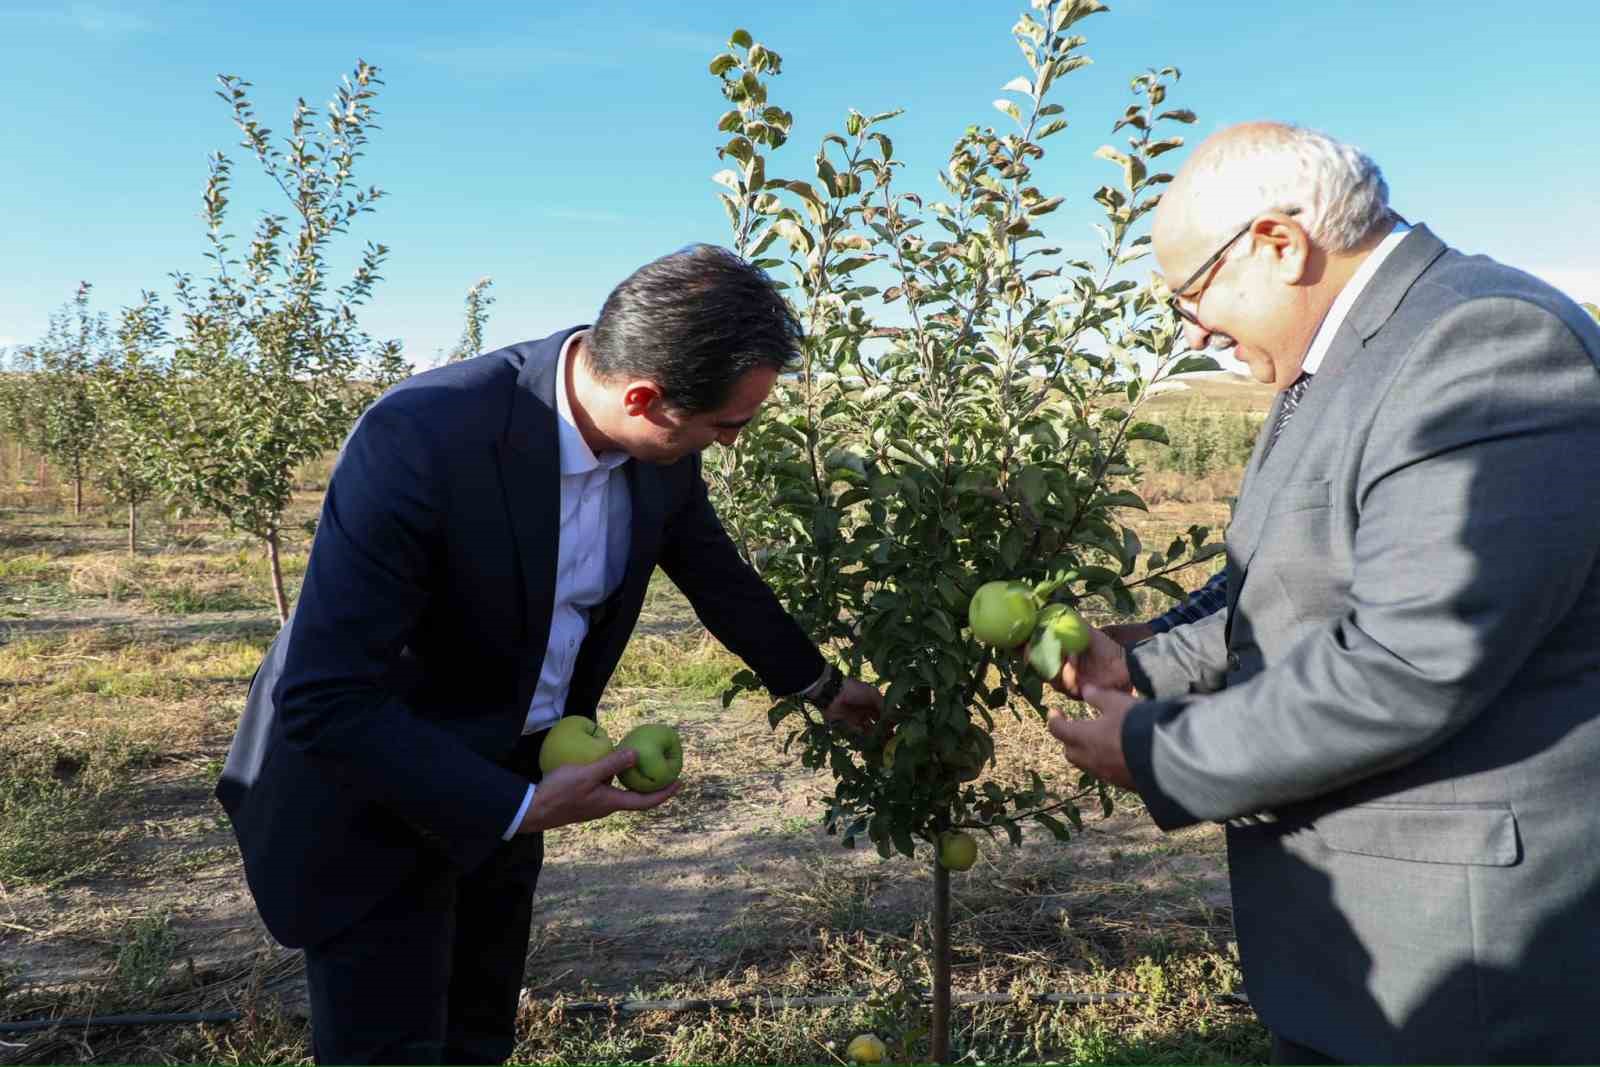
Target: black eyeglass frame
(1211, 261)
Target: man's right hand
(1104, 663)
(1128, 634)
(583, 792)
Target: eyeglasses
(1175, 300)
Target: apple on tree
(958, 851)
(1005, 614)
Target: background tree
(62, 393)
(21, 417)
(129, 387)
(962, 413)
(477, 317)
(270, 367)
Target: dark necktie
(1291, 401)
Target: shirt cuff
(815, 687)
(511, 831)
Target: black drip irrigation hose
(625, 1007)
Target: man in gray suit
(1397, 713)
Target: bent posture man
(485, 544)
(1398, 710)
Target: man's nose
(1197, 337)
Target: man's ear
(1288, 243)
(640, 398)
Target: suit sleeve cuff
(1138, 752)
(527, 799)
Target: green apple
(1068, 626)
(660, 757)
(866, 1048)
(888, 752)
(1002, 613)
(957, 851)
(575, 739)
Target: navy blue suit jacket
(377, 732)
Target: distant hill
(1221, 390)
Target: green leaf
(740, 38)
(1148, 431)
(722, 64)
(1167, 586)
(1056, 828)
(1045, 654)
(1190, 364)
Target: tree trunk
(42, 470)
(77, 494)
(133, 529)
(940, 1038)
(277, 578)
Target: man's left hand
(1095, 745)
(857, 706)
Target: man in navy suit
(485, 544)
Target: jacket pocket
(1299, 496)
(1481, 835)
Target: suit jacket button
(1233, 661)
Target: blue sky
(556, 147)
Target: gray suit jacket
(1399, 712)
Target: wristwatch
(825, 690)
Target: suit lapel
(1268, 473)
(529, 457)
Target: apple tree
(270, 367)
(130, 395)
(962, 413)
(65, 421)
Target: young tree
(20, 415)
(962, 413)
(129, 389)
(477, 317)
(61, 392)
(270, 367)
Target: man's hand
(857, 706)
(583, 792)
(1095, 745)
(1128, 634)
(1104, 664)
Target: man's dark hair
(694, 322)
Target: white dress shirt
(592, 554)
(1347, 298)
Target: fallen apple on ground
(866, 1048)
(575, 739)
(660, 757)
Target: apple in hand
(575, 739)
(660, 757)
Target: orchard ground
(121, 890)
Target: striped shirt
(1209, 598)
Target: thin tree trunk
(42, 470)
(133, 529)
(940, 1039)
(277, 578)
(77, 494)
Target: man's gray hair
(1339, 190)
